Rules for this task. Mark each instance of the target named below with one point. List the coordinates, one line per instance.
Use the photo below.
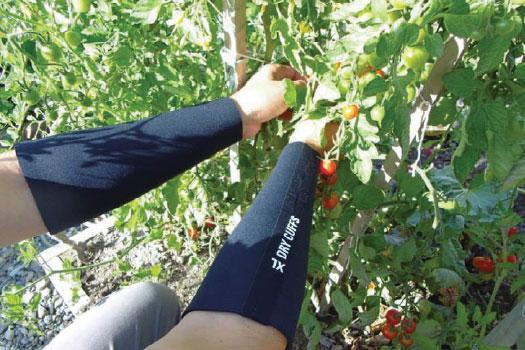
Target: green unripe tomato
(347, 73)
(51, 52)
(415, 57)
(377, 113)
(32, 97)
(363, 61)
(376, 61)
(73, 38)
(81, 6)
(476, 35)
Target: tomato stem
(492, 299)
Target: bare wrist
(249, 126)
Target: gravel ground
(52, 313)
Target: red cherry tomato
(409, 325)
(393, 317)
(331, 202)
(350, 111)
(209, 222)
(329, 180)
(483, 264)
(193, 233)
(380, 73)
(389, 331)
(512, 231)
(327, 167)
(512, 259)
(406, 340)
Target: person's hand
(262, 98)
(310, 132)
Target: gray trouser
(133, 318)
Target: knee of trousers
(151, 295)
(132, 318)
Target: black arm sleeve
(260, 273)
(77, 176)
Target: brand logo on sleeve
(281, 255)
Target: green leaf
(491, 52)
(516, 176)
(347, 10)
(290, 94)
(147, 11)
(122, 57)
(461, 315)
(171, 194)
(362, 165)
(379, 8)
(367, 197)
(407, 33)
(447, 278)
(319, 242)
(460, 82)
(517, 284)
(520, 71)
(375, 87)
(369, 316)
(367, 253)
(428, 329)
(342, 305)
(463, 25)
(473, 142)
(434, 45)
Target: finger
(280, 72)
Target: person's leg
(252, 295)
(130, 319)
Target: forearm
(260, 272)
(75, 177)
(19, 216)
